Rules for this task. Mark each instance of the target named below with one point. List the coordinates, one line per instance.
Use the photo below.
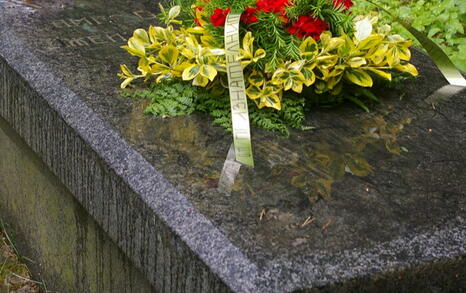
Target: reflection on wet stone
(357, 181)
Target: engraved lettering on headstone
(100, 19)
(143, 14)
(80, 21)
(96, 40)
(114, 38)
(53, 44)
(61, 23)
(76, 42)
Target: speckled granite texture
(383, 192)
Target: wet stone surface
(355, 183)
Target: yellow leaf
(259, 54)
(253, 92)
(137, 47)
(125, 70)
(197, 30)
(191, 72)
(143, 66)
(357, 62)
(381, 73)
(393, 57)
(159, 68)
(208, 71)
(271, 101)
(174, 12)
(370, 42)
(297, 87)
(200, 80)
(309, 76)
(408, 68)
(359, 77)
(169, 54)
(142, 36)
(333, 43)
(256, 78)
(309, 48)
(126, 82)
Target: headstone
(366, 201)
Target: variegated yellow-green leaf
(408, 68)
(159, 68)
(208, 71)
(200, 80)
(357, 62)
(126, 82)
(157, 33)
(247, 43)
(333, 43)
(191, 72)
(125, 70)
(309, 48)
(309, 76)
(297, 65)
(271, 101)
(178, 69)
(208, 41)
(143, 66)
(169, 54)
(381, 73)
(370, 42)
(174, 12)
(404, 53)
(393, 58)
(359, 77)
(259, 54)
(197, 30)
(135, 48)
(256, 78)
(188, 53)
(253, 92)
(142, 36)
(163, 77)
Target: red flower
(219, 17)
(274, 6)
(346, 3)
(307, 26)
(248, 15)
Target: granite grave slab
(364, 202)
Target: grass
(444, 21)
(14, 273)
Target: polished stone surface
(362, 194)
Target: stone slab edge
(139, 209)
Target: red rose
(274, 6)
(307, 26)
(346, 3)
(249, 16)
(219, 17)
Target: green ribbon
(444, 64)
(237, 88)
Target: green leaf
(358, 102)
